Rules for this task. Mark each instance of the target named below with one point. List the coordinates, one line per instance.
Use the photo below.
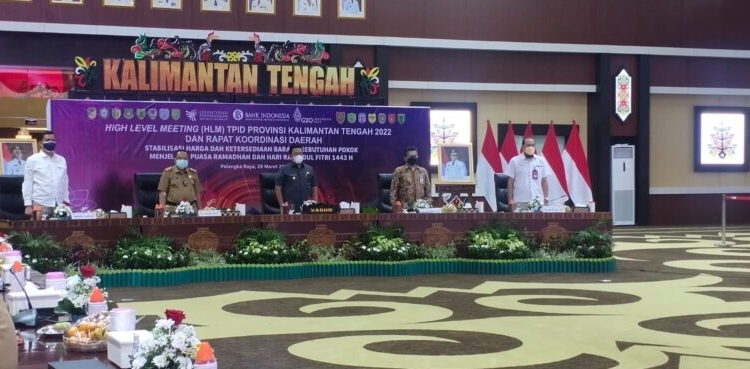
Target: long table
(219, 233)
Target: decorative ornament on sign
(623, 95)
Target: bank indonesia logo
(297, 115)
(237, 114)
(381, 118)
(362, 117)
(128, 113)
(164, 113)
(340, 117)
(103, 113)
(153, 113)
(91, 112)
(192, 115)
(351, 118)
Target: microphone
(26, 317)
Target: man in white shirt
(45, 179)
(16, 165)
(528, 177)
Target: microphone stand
(26, 317)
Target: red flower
(177, 316)
(2, 234)
(87, 271)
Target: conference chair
(146, 193)
(11, 198)
(384, 192)
(501, 192)
(269, 204)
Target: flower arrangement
(184, 209)
(62, 212)
(449, 208)
(78, 289)
(536, 205)
(496, 243)
(135, 251)
(172, 345)
(423, 204)
(383, 244)
(266, 246)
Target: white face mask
(298, 159)
(529, 150)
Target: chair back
(384, 192)
(146, 192)
(267, 194)
(501, 192)
(11, 198)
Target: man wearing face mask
(296, 181)
(410, 181)
(45, 179)
(528, 177)
(180, 183)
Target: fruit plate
(49, 330)
(84, 346)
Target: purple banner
(106, 142)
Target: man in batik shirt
(410, 181)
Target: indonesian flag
(487, 165)
(577, 169)
(508, 149)
(527, 134)
(558, 186)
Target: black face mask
(412, 160)
(49, 145)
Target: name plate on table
(553, 209)
(321, 209)
(209, 213)
(430, 210)
(84, 215)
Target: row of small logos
(371, 118)
(175, 114)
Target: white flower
(160, 360)
(138, 362)
(164, 323)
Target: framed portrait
(119, 3)
(721, 137)
(308, 8)
(216, 6)
(13, 155)
(261, 7)
(353, 9)
(456, 163)
(166, 4)
(67, 2)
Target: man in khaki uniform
(8, 343)
(180, 183)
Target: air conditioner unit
(623, 185)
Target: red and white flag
(558, 185)
(577, 169)
(526, 134)
(508, 148)
(487, 165)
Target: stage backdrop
(106, 142)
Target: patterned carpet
(677, 301)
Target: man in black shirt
(296, 181)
